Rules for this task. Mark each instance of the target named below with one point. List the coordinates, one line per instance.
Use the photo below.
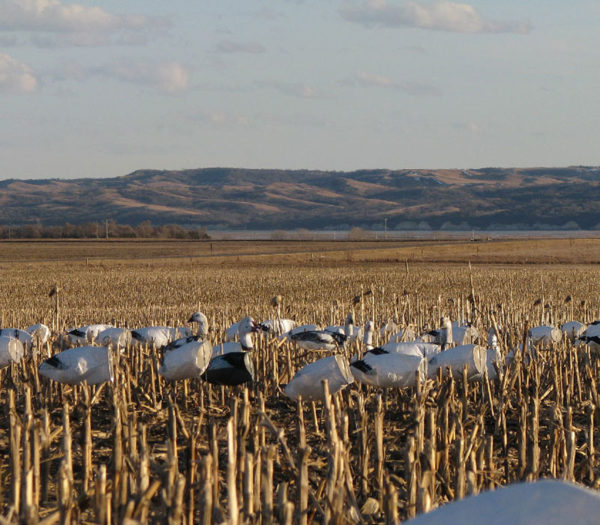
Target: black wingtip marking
(362, 366)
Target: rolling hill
(230, 198)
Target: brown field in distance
(522, 251)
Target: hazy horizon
(102, 89)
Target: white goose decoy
(86, 334)
(11, 350)
(408, 334)
(232, 332)
(299, 329)
(200, 318)
(464, 333)
(307, 383)
(544, 335)
(414, 348)
(349, 329)
(231, 369)
(39, 332)
(391, 327)
(547, 501)
(91, 364)
(573, 329)
(389, 370)
(246, 327)
(186, 361)
(159, 336)
(278, 326)
(442, 336)
(21, 335)
(117, 337)
(319, 340)
(591, 336)
(368, 336)
(473, 356)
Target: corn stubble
(145, 450)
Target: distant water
(394, 235)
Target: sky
(103, 88)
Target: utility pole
(385, 228)
(106, 227)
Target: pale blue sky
(100, 89)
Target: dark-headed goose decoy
(230, 369)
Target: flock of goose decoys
(400, 362)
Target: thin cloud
(441, 15)
(292, 89)
(72, 24)
(228, 46)
(168, 76)
(371, 80)
(16, 77)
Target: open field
(145, 449)
(521, 251)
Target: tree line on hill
(106, 230)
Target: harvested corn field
(145, 449)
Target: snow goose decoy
(319, 340)
(389, 370)
(414, 348)
(91, 364)
(230, 369)
(201, 319)
(22, 336)
(185, 360)
(159, 336)
(278, 326)
(85, 334)
(11, 350)
(407, 334)
(368, 335)
(573, 330)
(349, 329)
(544, 335)
(591, 336)
(473, 356)
(299, 329)
(117, 337)
(307, 383)
(39, 332)
(442, 336)
(246, 327)
(547, 501)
